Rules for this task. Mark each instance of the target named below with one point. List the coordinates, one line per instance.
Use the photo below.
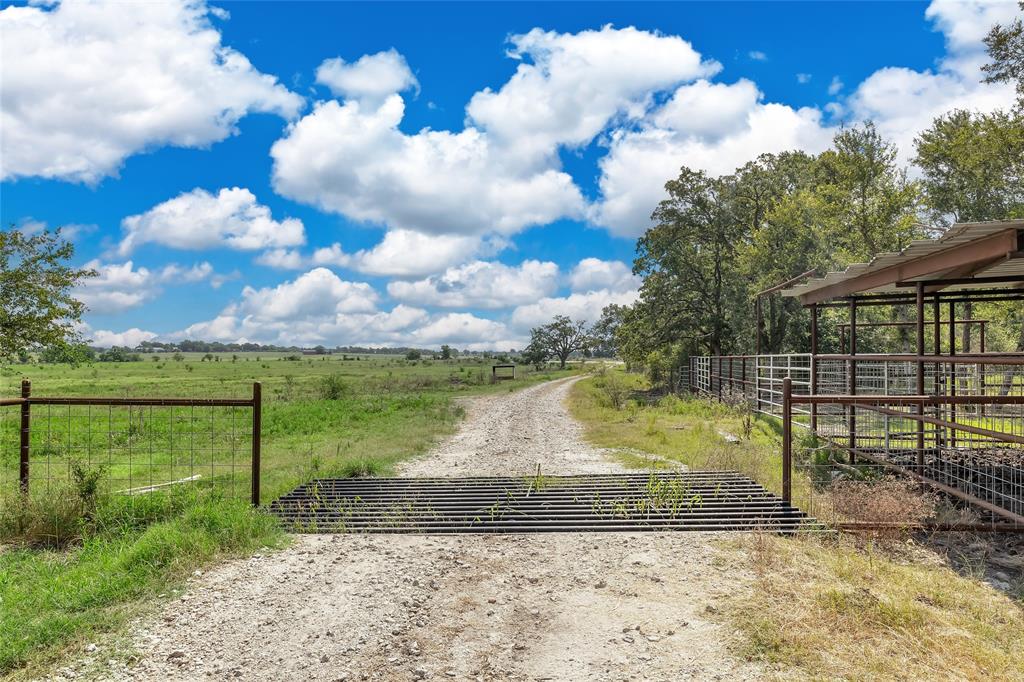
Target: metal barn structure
(951, 418)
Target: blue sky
(423, 173)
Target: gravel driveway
(471, 607)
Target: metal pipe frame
(27, 400)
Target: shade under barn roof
(968, 255)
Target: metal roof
(988, 249)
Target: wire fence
(954, 422)
(131, 445)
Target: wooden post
(257, 427)
(787, 440)
(25, 436)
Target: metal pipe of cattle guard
(787, 440)
(257, 422)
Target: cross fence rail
(138, 444)
(953, 421)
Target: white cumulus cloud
(351, 159)
(594, 274)
(401, 253)
(318, 307)
(481, 284)
(578, 306)
(121, 286)
(201, 220)
(370, 79)
(86, 84)
(103, 338)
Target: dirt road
(529, 607)
(509, 433)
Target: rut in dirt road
(490, 608)
(508, 434)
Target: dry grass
(822, 608)
(888, 500)
(866, 607)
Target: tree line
(719, 240)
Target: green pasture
(322, 415)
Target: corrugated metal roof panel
(956, 236)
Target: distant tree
(37, 307)
(208, 356)
(604, 330)
(119, 354)
(561, 338)
(67, 354)
(446, 352)
(178, 357)
(413, 355)
(973, 166)
(1006, 48)
(535, 354)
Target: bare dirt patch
(473, 607)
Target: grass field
(700, 434)
(820, 606)
(322, 416)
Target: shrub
(884, 501)
(57, 518)
(614, 388)
(738, 402)
(333, 387)
(47, 521)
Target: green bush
(333, 387)
(60, 516)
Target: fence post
(257, 425)
(26, 433)
(787, 440)
(757, 383)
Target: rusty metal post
(257, 427)
(787, 440)
(814, 365)
(952, 372)
(852, 380)
(719, 378)
(757, 325)
(743, 375)
(981, 368)
(26, 433)
(920, 372)
(937, 342)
